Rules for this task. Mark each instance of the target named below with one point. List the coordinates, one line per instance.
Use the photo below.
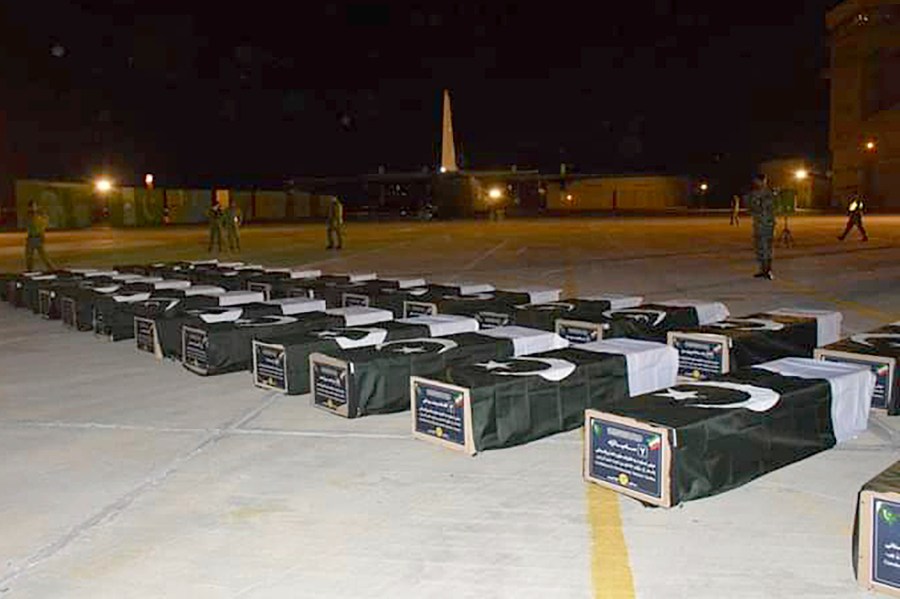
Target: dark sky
(255, 93)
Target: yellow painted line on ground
(610, 566)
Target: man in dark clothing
(761, 203)
(335, 224)
(215, 226)
(37, 223)
(854, 218)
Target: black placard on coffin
(876, 533)
(395, 300)
(168, 330)
(44, 303)
(282, 362)
(110, 316)
(78, 304)
(379, 377)
(492, 309)
(777, 420)
(511, 401)
(217, 348)
(749, 340)
(116, 319)
(162, 306)
(880, 350)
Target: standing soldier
(736, 210)
(215, 226)
(854, 218)
(761, 202)
(335, 224)
(37, 223)
(232, 226)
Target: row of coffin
(484, 369)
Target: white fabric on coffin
(527, 341)
(358, 316)
(707, 312)
(828, 322)
(651, 366)
(298, 305)
(235, 298)
(539, 295)
(851, 390)
(440, 325)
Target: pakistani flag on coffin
(273, 282)
(544, 316)
(491, 309)
(720, 434)
(653, 321)
(228, 306)
(51, 293)
(297, 283)
(77, 305)
(395, 300)
(330, 287)
(70, 300)
(113, 317)
(31, 296)
(880, 350)
(166, 305)
(505, 402)
(377, 378)
(219, 347)
(15, 286)
(282, 362)
(232, 279)
(738, 342)
(364, 293)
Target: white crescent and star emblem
(264, 321)
(370, 336)
(893, 339)
(163, 304)
(492, 365)
(549, 306)
(651, 317)
(417, 346)
(761, 399)
(554, 369)
(470, 298)
(748, 324)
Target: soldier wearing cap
(761, 203)
(36, 224)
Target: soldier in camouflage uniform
(761, 203)
(37, 222)
(232, 223)
(215, 215)
(335, 224)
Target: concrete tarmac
(122, 476)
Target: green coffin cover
(518, 400)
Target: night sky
(255, 94)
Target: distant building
(619, 192)
(865, 100)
